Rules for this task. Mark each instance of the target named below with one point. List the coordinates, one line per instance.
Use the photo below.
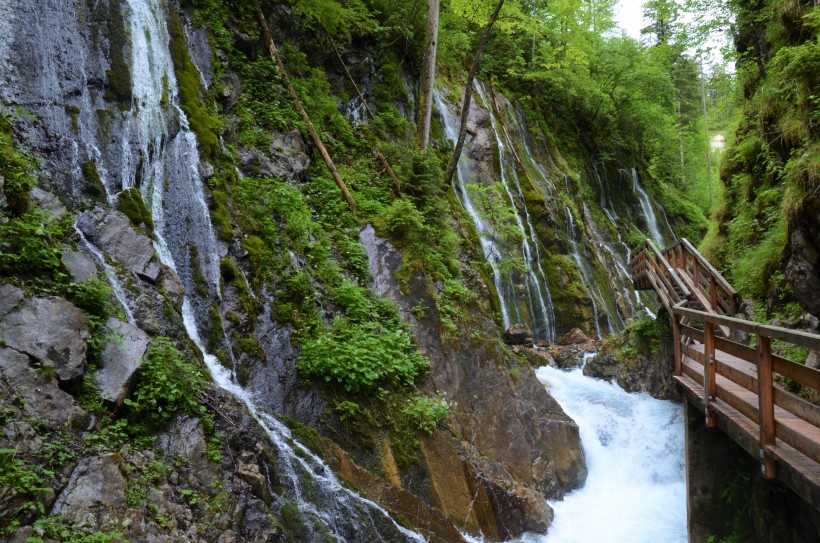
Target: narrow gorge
(202, 338)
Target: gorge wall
(181, 286)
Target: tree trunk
(468, 95)
(274, 54)
(428, 78)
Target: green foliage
(31, 243)
(426, 413)
(59, 529)
(167, 385)
(361, 357)
(204, 122)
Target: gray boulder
(52, 331)
(80, 265)
(112, 232)
(48, 202)
(174, 288)
(518, 334)
(37, 393)
(10, 296)
(94, 493)
(121, 357)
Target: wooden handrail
(730, 380)
(716, 289)
(648, 255)
(797, 337)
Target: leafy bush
(167, 386)
(426, 413)
(360, 357)
(31, 243)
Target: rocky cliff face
(134, 258)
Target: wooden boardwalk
(727, 367)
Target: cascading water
(634, 447)
(110, 275)
(648, 211)
(489, 243)
(170, 162)
(541, 314)
(588, 281)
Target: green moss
(93, 182)
(118, 76)
(220, 215)
(204, 123)
(131, 203)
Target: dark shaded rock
(121, 358)
(112, 232)
(36, 391)
(52, 331)
(185, 438)
(81, 266)
(572, 356)
(646, 370)
(802, 258)
(604, 366)
(518, 334)
(286, 160)
(94, 493)
(10, 296)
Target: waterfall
(648, 211)
(489, 245)
(587, 280)
(634, 447)
(186, 243)
(110, 275)
(538, 295)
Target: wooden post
(713, 298)
(765, 395)
(677, 339)
(709, 384)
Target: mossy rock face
(131, 203)
(93, 182)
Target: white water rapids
(634, 446)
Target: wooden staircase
(727, 368)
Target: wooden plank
(709, 384)
(798, 337)
(806, 376)
(723, 283)
(744, 374)
(690, 332)
(739, 350)
(765, 393)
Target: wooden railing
(707, 284)
(738, 386)
(651, 270)
(743, 378)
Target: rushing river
(634, 447)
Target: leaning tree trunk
(428, 77)
(468, 94)
(317, 141)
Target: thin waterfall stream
(186, 243)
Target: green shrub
(426, 413)
(167, 385)
(360, 357)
